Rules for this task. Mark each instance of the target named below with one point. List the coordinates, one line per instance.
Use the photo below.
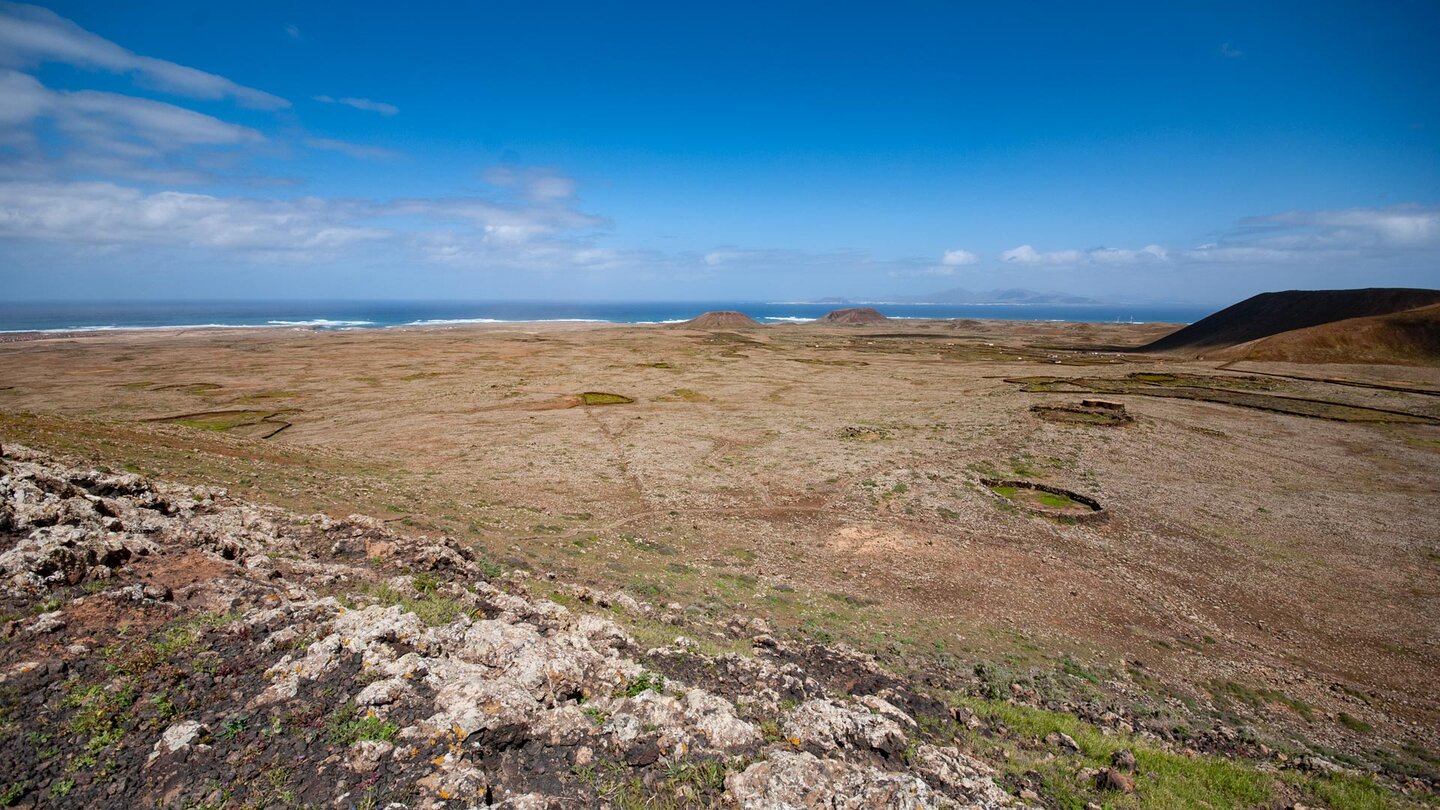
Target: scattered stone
(179, 736)
(1111, 779)
(365, 756)
(1057, 739)
(48, 622)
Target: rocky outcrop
(172, 646)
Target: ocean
(110, 315)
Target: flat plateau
(827, 478)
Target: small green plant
(702, 776)
(234, 727)
(770, 731)
(62, 788)
(100, 713)
(596, 714)
(426, 583)
(644, 682)
(12, 794)
(347, 727)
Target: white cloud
(33, 35)
(1230, 52)
(1026, 254)
(465, 231)
(360, 104)
(292, 31)
(959, 258)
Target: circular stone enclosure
(1046, 500)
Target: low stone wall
(1097, 513)
(1109, 414)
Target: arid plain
(1279, 569)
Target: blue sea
(111, 315)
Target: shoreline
(27, 335)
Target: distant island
(960, 295)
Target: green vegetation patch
(221, 420)
(190, 388)
(253, 423)
(1258, 699)
(1243, 392)
(430, 607)
(1164, 778)
(603, 398)
(683, 395)
(1054, 501)
(1354, 723)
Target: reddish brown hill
(723, 319)
(855, 315)
(1409, 338)
(1272, 313)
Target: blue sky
(1193, 152)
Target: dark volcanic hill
(1409, 338)
(856, 315)
(722, 319)
(1272, 313)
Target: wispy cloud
(118, 135)
(1285, 237)
(32, 35)
(537, 184)
(1230, 51)
(360, 104)
(87, 214)
(1396, 226)
(354, 150)
(292, 31)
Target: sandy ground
(828, 477)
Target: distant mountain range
(959, 295)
